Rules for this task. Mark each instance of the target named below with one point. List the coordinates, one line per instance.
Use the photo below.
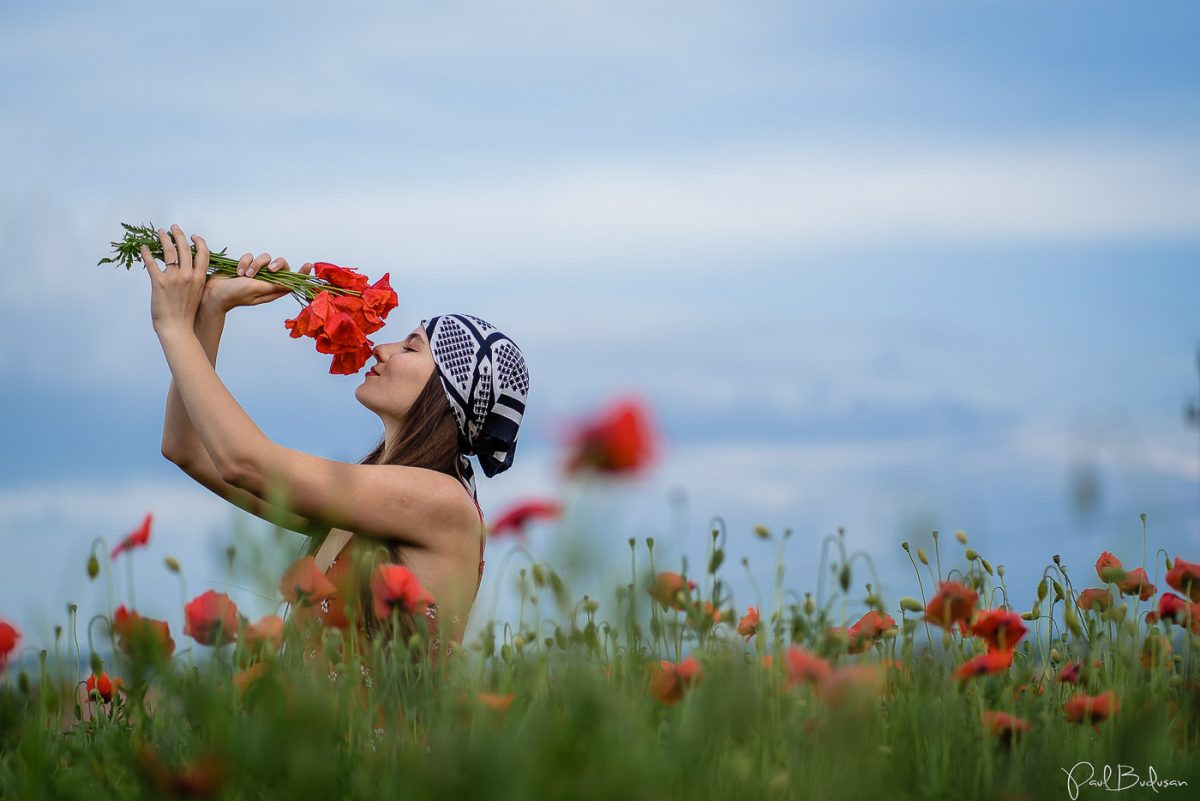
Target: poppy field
(1071, 683)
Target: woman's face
(393, 383)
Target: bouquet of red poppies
(340, 306)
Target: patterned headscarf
(487, 383)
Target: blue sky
(881, 267)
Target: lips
(372, 372)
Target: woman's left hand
(176, 291)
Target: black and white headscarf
(487, 383)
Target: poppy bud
(172, 564)
(1057, 560)
(809, 606)
(97, 665)
(650, 543)
(911, 604)
(762, 532)
(971, 555)
(717, 558)
(921, 555)
(506, 652)
(539, 575)
(1072, 621)
(987, 566)
(93, 566)
(1000, 570)
(904, 545)
(23, 683)
(1041, 590)
(519, 642)
(961, 536)
(1055, 656)
(1176, 680)
(1029, 616)
(1170, 564)
(590, 605)
(844, 577)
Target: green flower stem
(128, 249)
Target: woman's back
(440, 573)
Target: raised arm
(182, 446)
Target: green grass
(583, 722)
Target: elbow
(172, 455)
(238, 472)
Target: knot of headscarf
(487, 383)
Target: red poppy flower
(344, 277)
(749, 624)
(304, 583)
(1000, 629)
(211, 618)
(8, 641)
(954, 602)
(869, 628)
(367, 321)
(1136, 583)
(1090, 599)
(1084, 708)
(340, 333)
(1108, 567)
(244, 678)
(620, 441)
(1185, 578)
(802, 666)
(852, 684)
(1173, 608)
(515, 518)
(312, 318)
(395, 587)
(496, 701)
(1028, 689)
(1003, 725)
(103, 685)
(668, 684)
(379, 298)
(666, 586)
(991, 662)
(1070, 673)
(267, 632)
(142, 635)
(202, 777)
(349, 362)
(136, 539)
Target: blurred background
(891, 268)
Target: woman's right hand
(226, 292)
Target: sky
(880, 268)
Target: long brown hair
(428, 438)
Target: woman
(414, 494)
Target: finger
(151, 265)
(244, 263)
(307, 268)
(278, 264)
(184, 249)
(259, 262)
(168, 248)
(201, 253)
